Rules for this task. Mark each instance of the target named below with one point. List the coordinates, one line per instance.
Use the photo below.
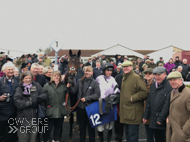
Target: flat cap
(118, 67)
(161, 58)
(23, 56)
(149, 70)
(126, 63)
(1, 55)
(151, 59)
(160, 64)
(89, 58)
(41, 57)
(133, 59)
(159, 70)
(147, 61)
(144, 65)
(173, 75)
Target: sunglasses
(147, 73)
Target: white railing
(186, 83)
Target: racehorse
(70, 77)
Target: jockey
(108, 86)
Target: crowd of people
(149, 92)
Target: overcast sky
(94, 24)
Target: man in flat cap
(151, 64)
(118, 59)
(149, 79)
(160, 61)
(103, 58)
(178, 122)
(41, 61)
(47, 60)
(63, 64)
(144, 67)
(132, 95)
(134, 64)
(20, 60)
(90, 63)
(158, 103)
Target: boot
(109, 135)
(101, 136)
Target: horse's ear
(79, 53)
(70, 53)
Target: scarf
(27, 88)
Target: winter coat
(97, 72)
(89, 64)
(148, 88)
(42, 63)
(178, 128)
(133, 87)
(118, 79)
(41, 80)
(47, 78)
(115, 73)
(23, 103)
(177, 63)
(19, 62)
(7, 109)
(47, 61)
(55, 100)
(152, 66)
(185, 70)
(101, 61)
(169, 66)
(62, 66)
(160, 62)
(2, 63)
(158, 103)
(119, 60)
(87, 88)
(35, 59)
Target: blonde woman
(56, 93)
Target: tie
(174, 92)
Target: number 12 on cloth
(94, 115)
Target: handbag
(41, 111)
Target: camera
(8, 97)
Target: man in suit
(90, 63)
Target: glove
(34, 105)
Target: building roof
(84, 53)
(145, 52)
(120, 49)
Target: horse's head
(74, 62)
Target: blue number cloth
(94, 115)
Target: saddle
(111, 100)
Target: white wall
(119, 50)
(165, 53)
